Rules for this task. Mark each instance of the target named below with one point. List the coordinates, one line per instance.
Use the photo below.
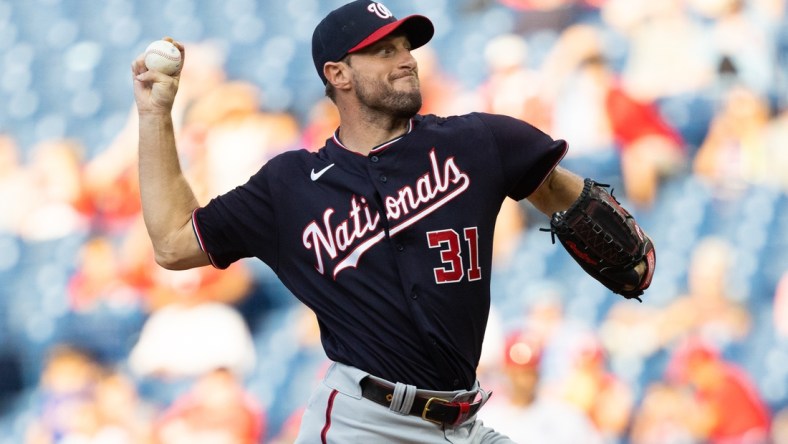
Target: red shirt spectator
(217, 409)
(631, 119)
(730, 408)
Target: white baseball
(163, 56)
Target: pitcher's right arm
(167, 199)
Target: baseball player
(386, 231)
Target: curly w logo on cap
(381, 10)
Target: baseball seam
(166, 56)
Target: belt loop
(465, 410)
(485, 396)
(465, 407)
(402, 399)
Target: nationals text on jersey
(431, 191)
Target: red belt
(433, 409)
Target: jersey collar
(380, 148)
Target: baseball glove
(606, 241)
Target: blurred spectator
(112, 186)
(510, 227)
(512, 87)
(67, 409)
(306, 363)
(227, 135)
(576, 92)
(104, 309)
(734, 152)
(628, 332)
(160, 287)
(574, 364)
(15, 187)
(202, 75)
(708, 308)
(193, 327)
(669, 53)
(125, 418)
(779, 432)
(558, 334)
(493, 348)
(777, 167)
(526, 414)
(289, 430)
(728, 407)
(321, 122)
(97, 279)
(217, 409)
(743, 33)
(649, 149)
(547, 15)
(664, 416)
(604, 397)
(112, 183)
(189, 338)
(192, 287)
(58, 193)
(442, 94)
(239, 146)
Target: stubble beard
(382, 97)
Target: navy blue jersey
(393, 250)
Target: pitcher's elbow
(166, 261)
(170, 258)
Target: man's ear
(337, 74)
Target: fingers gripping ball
(163, 56)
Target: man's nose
(408, 61)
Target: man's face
(385, 77)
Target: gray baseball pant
(338, 414)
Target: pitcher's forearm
(167, 199)
(558, 192)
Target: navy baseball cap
(359, 24)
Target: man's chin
(409, 109)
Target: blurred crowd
(100, 345)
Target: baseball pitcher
(385, 232)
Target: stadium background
(75, 266)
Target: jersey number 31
(451, 255)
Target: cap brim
(417, 28)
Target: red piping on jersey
(329, 407)
(566, 149)
(378, 148)
(199, 238)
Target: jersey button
(374, 159)
(384, 179)
(400, 247)
(414, 295)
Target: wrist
(154, 114)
